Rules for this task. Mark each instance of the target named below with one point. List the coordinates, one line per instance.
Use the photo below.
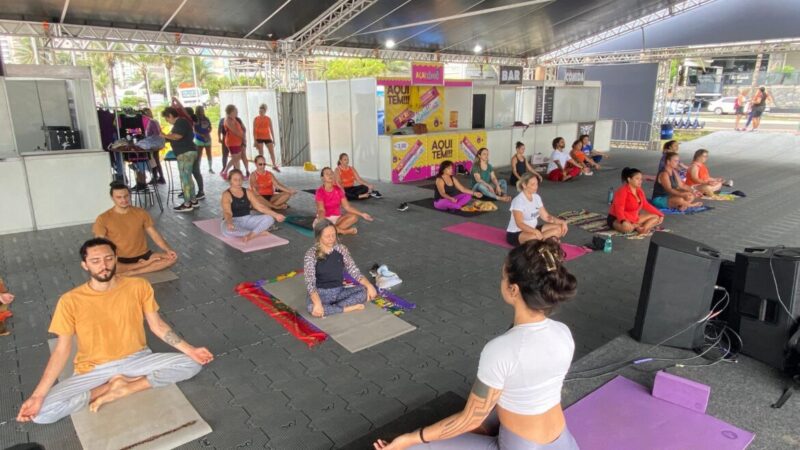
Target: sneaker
(375, 194)
(403, 207)
(210, 170)
(200, 196)
(588, 174)
(728, 183)
(276, 169)
(195, 204)
(224, 175)
(180, 194)
(161, 181)
(183, 208)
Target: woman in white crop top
(521, 372)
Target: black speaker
(677, 289)
(765, 302)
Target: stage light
(477, 48)
(389, 43)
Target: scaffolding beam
(328, 22)
(404, 55)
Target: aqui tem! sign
(427, 73)
(510, 75)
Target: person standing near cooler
(264, 134)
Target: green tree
(183, 70)
(101, 74)
(339, 69)
(23, 51)
(143, 62)
(169, 64)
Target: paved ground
(266, 389)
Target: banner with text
(418, 157)
(422, 104)
(510, 74)
(427, 74)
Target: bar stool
(172, 190)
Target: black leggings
(354, 192)
(198, 177)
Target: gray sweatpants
(244, 225)
(73, 394)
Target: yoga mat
(622, 415)
(354, 331)
(162, 276)
(596, 223)
(688, 211)
(722, 197)
(428, 203)
(211, 226)
(497, 236)
(152, 419)
(301, 224)
(435, 410)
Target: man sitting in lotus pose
(113, 360)
(128, 226)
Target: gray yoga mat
(161, 276)
(152, 419)
(354, 331)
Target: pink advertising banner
(427, 74)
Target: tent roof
(522, 31)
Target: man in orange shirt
(128, 227)
(5, 299)
(106, 315)
(263, 134)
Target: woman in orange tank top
(263, 134)
(347, 177)
(265, 185)
(234, 139)
(698, 177)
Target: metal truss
(659, 103)
(695, 51)
(328, 22)
(620, 30)
(403, 55)
(65, 37)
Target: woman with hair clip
(331, 200)
(449, 193)
(526, 209)
(323, 267)
(519, 164)
(347, 177)
(630, 211)
(485, 181)
(515, 402)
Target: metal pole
(35, 50)
(756, 70)
(659, 103)
(194, 73)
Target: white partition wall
(500, 146)
(339, 119)
(318, 138)
(527, 137)
(8, 144)
(602, 135)
(458, 99)
(576, 104)
(544, 139)
(364, 156)
(16, 216)
(503, 107)
(247, 102)
(569, 131)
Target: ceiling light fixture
(477, 48)
(389, 43)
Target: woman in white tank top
(515, 403)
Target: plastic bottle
(607, 246)
(610, 195)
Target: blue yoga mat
(691, 210)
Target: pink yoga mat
(622, 415)
(212, 227)
(497, 236)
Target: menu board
(544, 105)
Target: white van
(193, 96)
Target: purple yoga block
(682, 392)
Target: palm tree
(143, 63)
(100, 74)
(24, 52)
(184, 73)
(169, 63)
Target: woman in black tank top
(519, 165)
(449, 193)
(669, 191)
(237, 222)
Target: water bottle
(610, 195)
(607, 245)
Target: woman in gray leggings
(515, 403)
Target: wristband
(421, 437)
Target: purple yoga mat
(497, 236)
(212, 227)
(622, 415)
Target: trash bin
(666, 131)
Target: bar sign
(510, 75)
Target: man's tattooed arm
(172, 338)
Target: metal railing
(631, 134)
